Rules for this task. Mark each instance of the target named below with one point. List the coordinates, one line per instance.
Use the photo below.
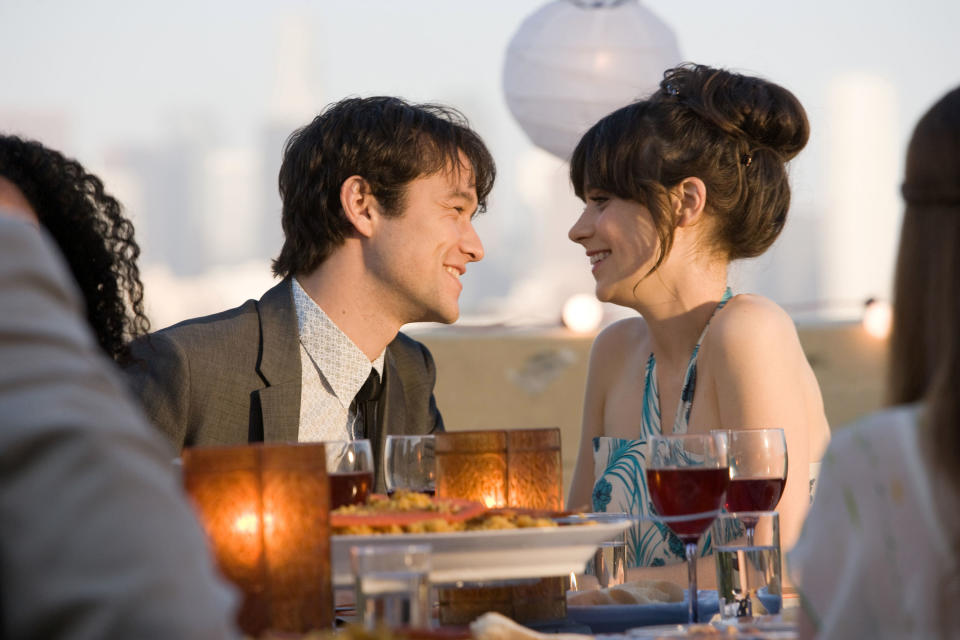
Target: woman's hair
(924, 363)
(91, 232)
(734, 132)
(925, 339)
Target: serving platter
(490, 555)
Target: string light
(877, 318)
(582, 313)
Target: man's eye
(597, 199)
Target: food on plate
(496, 626)
(635, 592)
(409, 512)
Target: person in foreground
(676, 187)
(44, 187)
(379, 197)
(97, 540)
(879, 556)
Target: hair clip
(672, 89)
(746, 159)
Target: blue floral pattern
(620, 483)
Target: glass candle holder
(472, 465)
(519, 468)
(534, 469)
(265, 509)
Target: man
(97, 539)
(378, 202)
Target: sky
(119, 73)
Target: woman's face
(621, 242)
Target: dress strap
(682, 418)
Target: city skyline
(206, 94)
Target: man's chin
(441, 316)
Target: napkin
(495, 626)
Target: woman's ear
(690, 198)
(359, 204)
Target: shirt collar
(337, 358)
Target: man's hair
(389, 143)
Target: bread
(635, 592)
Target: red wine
(684, 491)
(349, 487)
(754, 494)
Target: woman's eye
(598, 200)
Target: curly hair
(92, 233)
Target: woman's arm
(606, 364)
(762, 379)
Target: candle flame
(247, 523)
(573, 581)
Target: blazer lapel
(279, 365)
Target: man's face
(419, 255)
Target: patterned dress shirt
(333, 369)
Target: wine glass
(409, 463)
(687, 476)
(349, 470)
(758, 472)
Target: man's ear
(359, 204)
(689, 200)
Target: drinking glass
(350, 470)
(687, 476)
(409, 463)
(749, 574)
(758, 472)
(392, 585)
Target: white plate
(474, 556)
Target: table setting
(472, 527)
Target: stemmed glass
(349, 470)
(409, 463)
(687, 476)
(758, 472)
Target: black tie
(365, 405)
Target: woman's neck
(676, 310)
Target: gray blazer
(234, 377)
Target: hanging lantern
(574, 61)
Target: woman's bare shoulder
(753, 319)
(617, 337)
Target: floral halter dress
(620, 483)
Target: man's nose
(470, 243)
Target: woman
(880, 552)
(676, 187)
(90, 230)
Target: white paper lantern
(574, 61)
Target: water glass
(409, 463)
(609, 561)
(392, 585)
(749, 572)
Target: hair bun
(761, 112)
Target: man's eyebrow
(465, 195)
